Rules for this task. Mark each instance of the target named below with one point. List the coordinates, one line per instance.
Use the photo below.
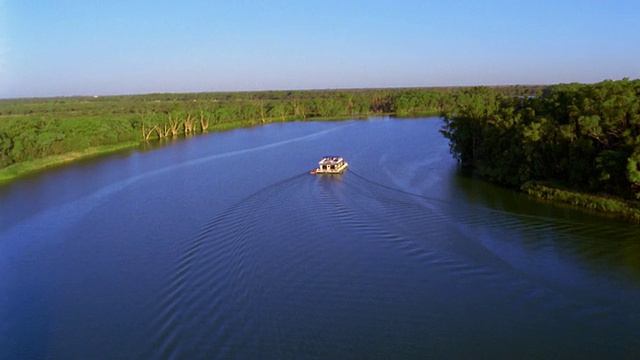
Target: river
(224, 246)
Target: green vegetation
(628, 209)
(585, 138)
(36, 133)
(25, 167)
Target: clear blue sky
(101, 47)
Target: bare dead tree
(174, 122)
(147, 129)
(204, 121)
(189, 123)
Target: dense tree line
(37, 128)
(584, 137)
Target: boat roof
(331, 160)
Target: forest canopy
(581, 136)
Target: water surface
(224, 246)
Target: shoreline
(15, 171)
(603, 204)
(20, 169)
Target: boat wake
(312, 265)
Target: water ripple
(275, 273)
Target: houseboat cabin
(331, 165)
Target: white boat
(331, 165)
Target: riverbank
(17, 170)
(542, 190)
(602, 203)
(27, 167)
(40, 128)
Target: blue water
(224, 246)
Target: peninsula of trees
(575, 137)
